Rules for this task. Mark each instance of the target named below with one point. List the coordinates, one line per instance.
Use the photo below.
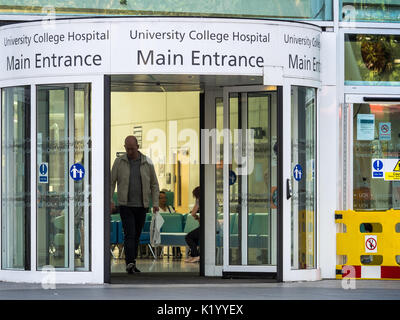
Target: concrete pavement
(207, 289)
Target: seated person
(164, 208)
(193, 237)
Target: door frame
(284, 271)
(262, 270)
(289, 274)
(389, 97)
(96, 272)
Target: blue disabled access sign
(77, 172)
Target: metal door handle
(288, 189)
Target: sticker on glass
(385, 131)
(297, 172)
(365, 127)
(44, 172)
(77, 171)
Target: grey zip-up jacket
(120, 175)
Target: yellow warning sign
(397, 167)
(392, 176)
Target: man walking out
(136, 182)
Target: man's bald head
(131, 147)
(130, 140)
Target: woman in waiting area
(163, 207)
(193, 237)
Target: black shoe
(135, 269)
(130, 268)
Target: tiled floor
(162, 264)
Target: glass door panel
(52, 161)
(376, 149)
(82, 188)
(235, 198)
(63, 207)
(15, 187)
(303, 151)
(262, 179)
(250, 178)
(219, 186)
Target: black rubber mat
(176, 278)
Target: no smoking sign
(385, 131)
(371, 244)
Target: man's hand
(155, 209)
(112, 207)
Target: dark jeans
(132, 222)
(192, 239)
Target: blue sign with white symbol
(378, 165)
(77, 171)
(377, 171)
(297, 172)
(43, 168)
(232, 177)
(44, 172)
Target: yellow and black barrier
(369, 243)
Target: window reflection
(372, 59)
(303, 177)
(15, 177)
(371, 141)
(369, 10)
(314, 10)
(63, 208)
(219, 185)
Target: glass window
(165, 119)
(235, 190)
(370, 10)
(15, 180)
(219, 185)
(376, 145)
(262, 179)
(291, 9)
(253, 177)
(303, 177)
(63, 186)
(372, 59)
(166, 125)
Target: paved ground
(144, 287)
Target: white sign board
(159, 46)
(365, 126)
(371, 244)
(387, 169)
